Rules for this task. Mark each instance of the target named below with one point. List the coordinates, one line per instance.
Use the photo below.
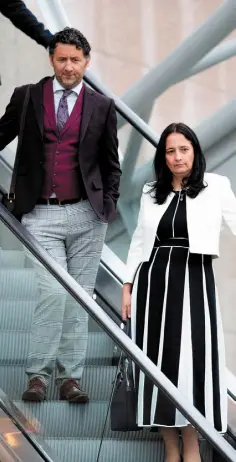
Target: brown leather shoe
(36, 391)
(71, 391)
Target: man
(66, 189)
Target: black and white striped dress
(176, 321)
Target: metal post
(186, 55)
(55, 14)
(131, 154)
(221, 53)
(141, 176)
(209, 133)
(220, 154)
(215, 128)
(128, 216)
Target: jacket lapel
(49, 105)
(36, 93)
(88, 106)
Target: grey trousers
(74, 237)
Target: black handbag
(124, 400)
(8, 200)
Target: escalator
(55, 430)
(76, 433)
(71, 432)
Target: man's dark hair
(70, 36)
(194, 183)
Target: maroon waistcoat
(61, 164)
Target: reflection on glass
(11, 439)
(13, 444)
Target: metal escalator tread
(14, 348)
(12, 259)
(18, 315)
(17, 284)
(112, 450)
(57, 421)
(21, 317)
(82, 421)
(60, 420)
(97, 381)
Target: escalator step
(112, 450)
(60, 419)
(17, 284)
(12, 259)
(16, 314)
(97, 381)
(116, 450)
(57, 419)
(73, 424)
(14, 348)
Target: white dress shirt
(71, 100)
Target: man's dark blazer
(97, 149)
(23, 19)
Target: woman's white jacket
(204, 218)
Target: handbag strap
(19, 144)
(108, 409)
(126, 327)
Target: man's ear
(51, 60)
(88, 60)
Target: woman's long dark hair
(194, 183)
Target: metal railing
(97, 313)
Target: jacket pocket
(97, 183)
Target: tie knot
(66, 93)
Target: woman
(174, 308)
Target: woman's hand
(126, 301)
